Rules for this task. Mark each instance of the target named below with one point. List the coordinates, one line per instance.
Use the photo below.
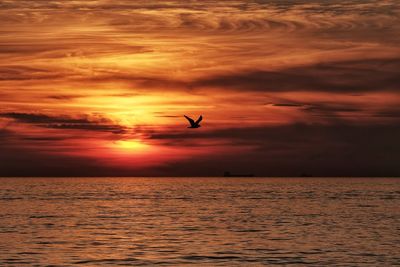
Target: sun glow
(132, 145)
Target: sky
(286, 87)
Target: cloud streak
(63, 122)
(342, 77)
(286, 85)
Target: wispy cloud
(64, 122)
(344, 77)
(102, 79)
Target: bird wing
(199, 119)
(191, 121)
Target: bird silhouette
(194, 124)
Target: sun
(131, 145)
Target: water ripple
(204, 222)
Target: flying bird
(194, 124)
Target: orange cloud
(109, 81)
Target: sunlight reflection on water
(199, 221)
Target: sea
(199, 222)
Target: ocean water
(199, 221)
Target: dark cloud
(331, 108)
(64, 97)
(4, 133)
(15, 48)
(95, 5)
(289, 134)
(342, 77)
(168, 116)
(352, 77)
(20, 73)
(22, 162)
(332, 112)
(287, 105)
(389, 113)
(139, 81)
(43, 138)
(322, 150)
(62, 122)
(116, 129)
(32, 156)
(40, 118)
(287, 150)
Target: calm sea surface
(199, 221)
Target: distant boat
(228, 174)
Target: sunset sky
(100, 87)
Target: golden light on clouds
(119, 75)
(131, 146)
